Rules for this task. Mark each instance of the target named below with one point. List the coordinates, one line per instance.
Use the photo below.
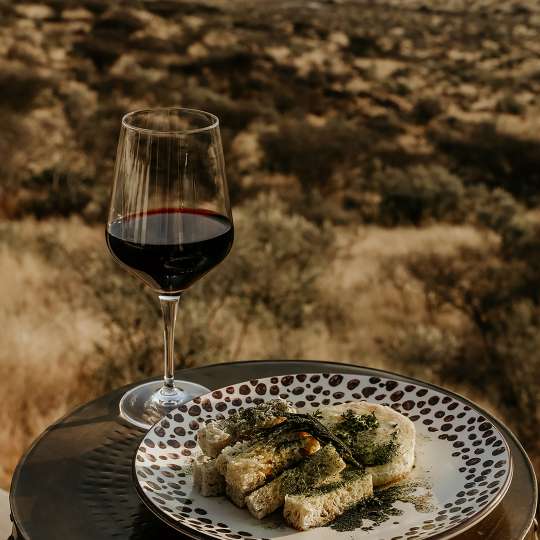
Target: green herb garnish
(383, 453)
(352, 424)
(244, 422)
(380, 507)
(306, 422)
(357, 432)
(311, 472)
(346, 477)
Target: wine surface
(171, 248)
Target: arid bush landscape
(383, 160)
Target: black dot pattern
(475, 448)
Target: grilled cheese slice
(393, 428)
(323, 504)
(312, 471)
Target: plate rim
(458, 529)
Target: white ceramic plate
(460, 454)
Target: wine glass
(169, 223)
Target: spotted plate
(462, 460)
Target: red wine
(170, 248)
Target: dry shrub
(14, 135)
(510, 105)
(484, 155)
(417, 194)
(233, 114)
(493, 209)
(426, 108)
(20, 86)
(313, 154)
(371, 285)
(56, 193)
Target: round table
(76, 482)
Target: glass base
(148, 403)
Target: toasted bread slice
(394, 438)
(213, 439)
(240, 425)
(311, 472)
(230, 452)
(247, 470)
(206, 477)
(235, 495)
(323, 504)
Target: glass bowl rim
(212, 119)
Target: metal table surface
(75, 482)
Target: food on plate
(240, 425)
(381, 438)
(236, 495)
(311, 472)
(316, 466)
(256, 463)
(206, 477)
(321, 505)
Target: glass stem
(169, 308)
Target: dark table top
(76, 482)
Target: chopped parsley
(314, 470)
(350, 474)
(383, 453)
(358, 433)
(244, 422)
(379, 508)
(352, 425)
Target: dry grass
(44, 340)
(375, 303)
